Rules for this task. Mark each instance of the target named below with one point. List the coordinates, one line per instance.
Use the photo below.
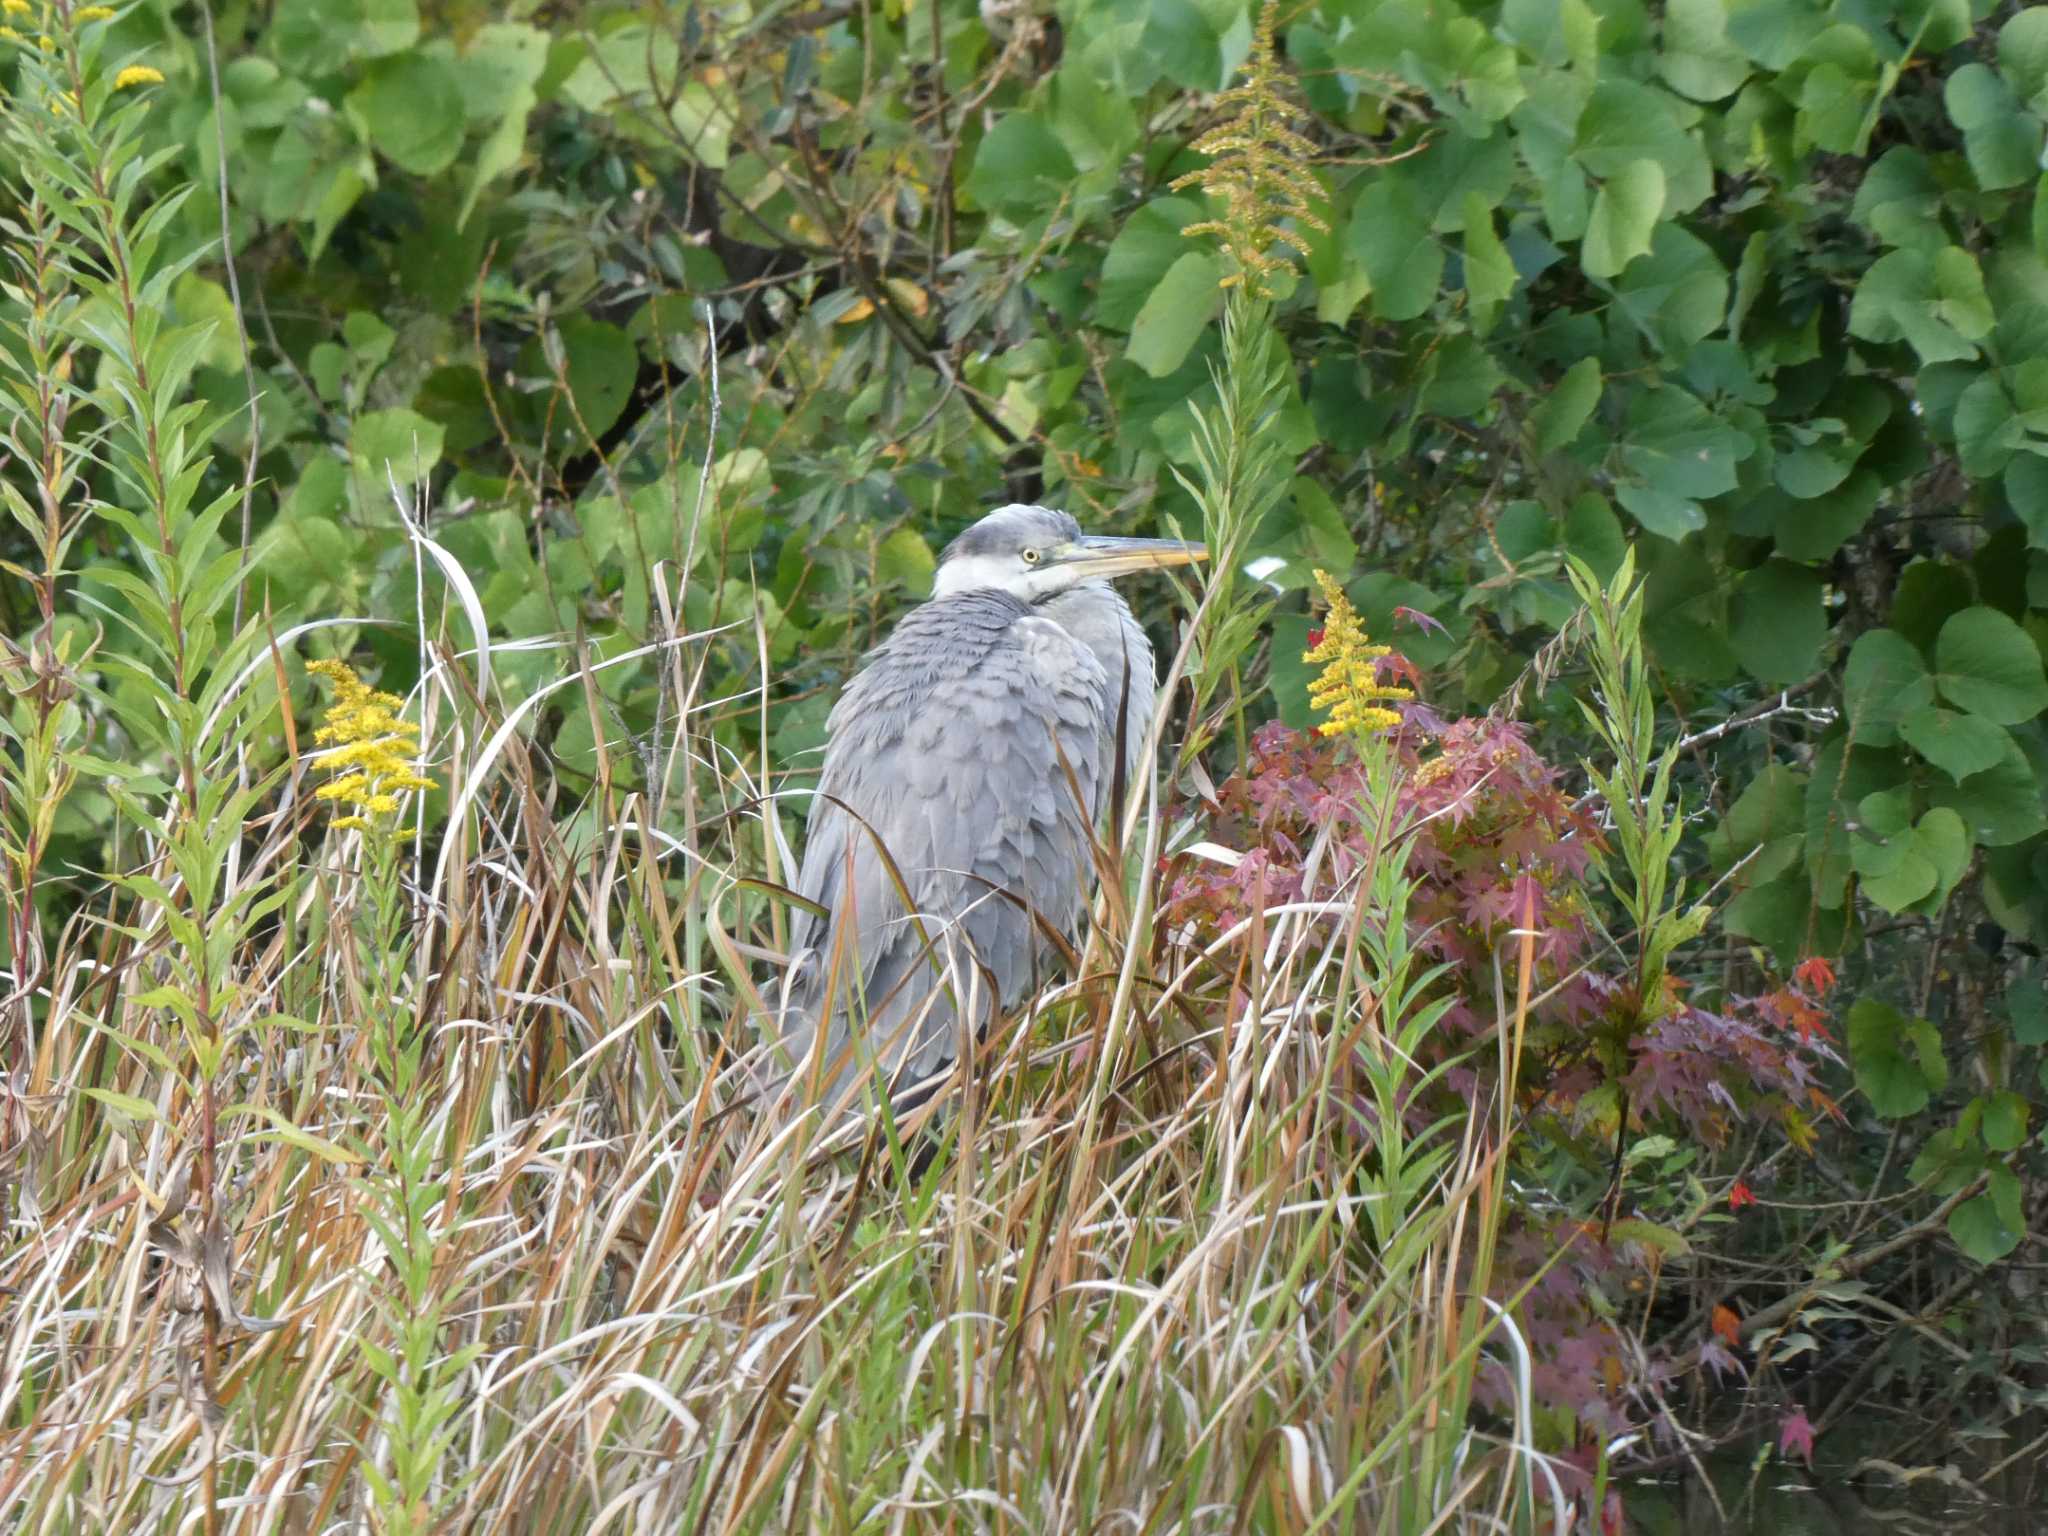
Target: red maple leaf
(1815, 974)
(1726, 1323)
(1739, 1195)
(1315, 638)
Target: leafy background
(746, 308)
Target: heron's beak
(1099, 556)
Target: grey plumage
(977, 745)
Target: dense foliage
(716, 321)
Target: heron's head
(1034, 553)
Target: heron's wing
(947, 751)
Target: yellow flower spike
(138, 74)
(1349, 686)
(10, 34)
(14, 7)
(367, 748)
(87, 13)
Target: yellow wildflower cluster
(1258, 168)
(138, 74)
(1349, 686)
(368, 748)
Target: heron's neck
(1096, 616)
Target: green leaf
(404, 440)
(602, 366)
(1899, 200)
(1832, 108)
(1988, 665)
(1697, 59)
(2001, 803)
(1780, 623)
(1178, 311)
(1021, 168)
(1679, 453)
(412, 106)
(2023, 57)
(124, 1104)
(1149, 243)
(1390, 235)
(1885, 680)
(1489, 274)
(1936, 303)
(1959, 745)
(2026, 1004)
(2001, 142)
(1625, 121)
(2026, 487)
(2005, 1121)
(1889, 1059)
(905, 559)
(1677, 295)
(1625, 211)
(1562, 413)
(498, 68)
(1990, 1226)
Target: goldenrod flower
(10, 34)
(87, 13)
(14, 7)
(1349, 686)
(1258, 168)
(370, 750)
(138, 74)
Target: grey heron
(966, 766)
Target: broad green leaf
(1489, 274)
(1885, 680)
(498, 68)
(1021, 168)
(1899, 200)
(1177, 313)
(1780, 623)
(2001, 142)
(2005, 1121)
(2023, 57)
(1959, 745)
(1679, 454)
(1391, 237)
(1990, 1226)
(905, 558)
(2026, 1004)
(602, 365)
(1625, 211)
(402, 440)
(1459, 378)
(1833, 104)
(2001, 803)
(1988, 665)
(412, 106)
(1625, 121)
(1889, 1059)
(1677, 295)
(1149, 242)
(1936, 303)
(2026, 487)
(1562, 412)
(1697, 59)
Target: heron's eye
(1031, 557)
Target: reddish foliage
(1500, 846)
(1795, 1433)
(1739, 1195)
